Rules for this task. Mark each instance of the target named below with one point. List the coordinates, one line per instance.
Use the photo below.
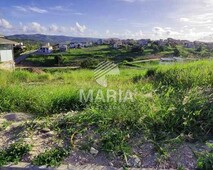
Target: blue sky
(155, 19)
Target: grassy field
(171, 103)
(74, 57)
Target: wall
(6, 55)
(9, 65)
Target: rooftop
(6, 41)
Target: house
(87, 44)
(117, 44)
(100, 41)
(75, 45)
(6, 53)
(56, 47)
(106, 41)
(188, 44)
(46, 49)
(72, 45)
(63, 47)
(143, 42)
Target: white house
(46, 49)
(117, 44)
(75, 45)
(100, 41)
(6, 53)
(143, 42)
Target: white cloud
(107, 32)
(60, 9)
(57, 8)
(127, 34)
(184, 19)
(37, 10)
(5, 24)
(78, 13)
(80, 28)
(53, 28)
(31, 9)
(194, 19)
(166, 32)
(21, 8)
(34, 27)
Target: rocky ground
(36, 132)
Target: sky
(134, 19)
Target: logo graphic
(104, 69)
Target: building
(143, 42)
(46, 49)
(100, 41)
(75, 45)
(117, 44)
(63, 47)
(6, 53)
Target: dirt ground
(20, 126)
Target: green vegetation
(170, 102)
(76, 56)
(14, 153)
(51, 158)
(205, 160)
(88, 57)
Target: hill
(49, 38)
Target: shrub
(51, 158)
(89, 63)
(129, 59)
(137, 49)
(14, 153)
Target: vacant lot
(166, 123)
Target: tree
(137, 49)
(89, 63)
(162, 48)
(129, 59)
(155, 48)
(200, 48)
(176, 52)
(58, 60)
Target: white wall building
(46, 49)
(6, 53)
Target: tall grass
(188, 75)
(168, 100)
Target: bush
(51, 158)
(137, 49)
(14, 153)
(205, 162)
(177, 52)
(129, 59)
(89, 63)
